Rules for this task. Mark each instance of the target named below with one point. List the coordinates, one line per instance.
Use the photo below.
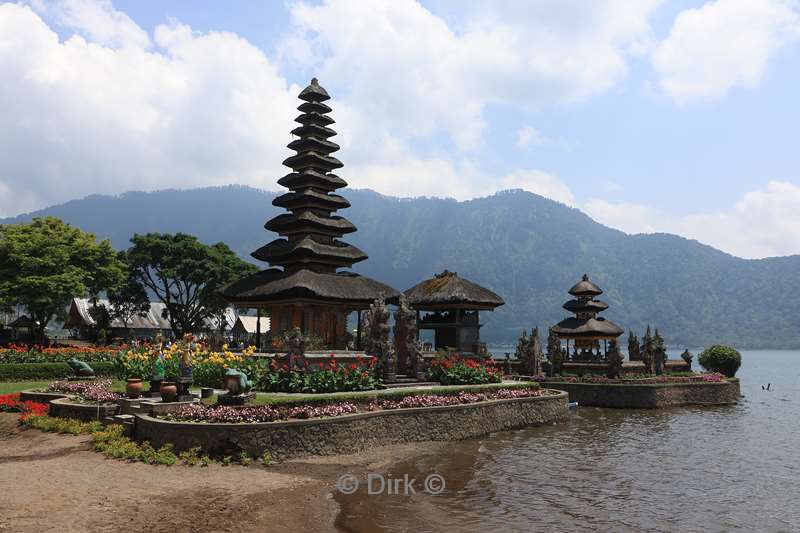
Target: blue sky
(676, 116)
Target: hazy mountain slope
(526, 248)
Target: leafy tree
(185, 275)
(130, 299)
(45, 263)
(720, 358)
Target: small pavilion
(305, 287)
(449, 305)
(585, 331)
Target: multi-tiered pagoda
(306, 289)
(586, 330)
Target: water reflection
(688, 469)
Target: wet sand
(55, 482)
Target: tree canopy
(45, 263)
(185, 275)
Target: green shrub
(723, 359)
(47, 371)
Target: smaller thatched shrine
(449, 305)
(585, 331)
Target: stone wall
(40, 397)
(650, 396)
(352, 433)
(64, 407)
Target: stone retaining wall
(64, 407)
(40, 397)
(650, 396)
(352, 433)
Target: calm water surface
(684, 469)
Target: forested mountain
(527, 248)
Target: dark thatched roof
(586, 306)
(585, 287)
(592, 327)
(314, 92)
(448, 288)
(273, 285)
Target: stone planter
(67, 408)
(356, 432)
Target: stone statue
(659, 354)
(237, 382)
(615, 359)
(529, 352)
(295, 343)
(377, 327)
(634, 352)
(186, 356)
(521, 351)
(687, 356)
(406, 338)
(555, 355)
(648, 352)
(81, 368)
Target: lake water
(731, 468)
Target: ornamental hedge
(723, 359)
(47, 371)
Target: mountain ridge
(525, 247)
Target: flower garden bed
(347, 427)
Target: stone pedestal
(155, 389)
(183, 389)
(235, 399)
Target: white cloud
(764, 223)
(414, 74)
(98, 20)
(628, 217)
(723, 44)
(200, 109)
(528, 135)
(538, 182)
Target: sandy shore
(56, 483)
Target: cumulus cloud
(723, 44)
(185, 110)
(763, 223)
(429, 78)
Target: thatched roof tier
(311, 178)
(449, 290)
(312, 160)
(304, 251)
(585, 287)
(585, 306)
(589, 328)
(314, 107)
(312, 129)
(314, 92)
(312, 143)
(309, 222)
(310, 199)
(316, 119)
(273, 285)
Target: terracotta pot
(169, 391)
(134, 388)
